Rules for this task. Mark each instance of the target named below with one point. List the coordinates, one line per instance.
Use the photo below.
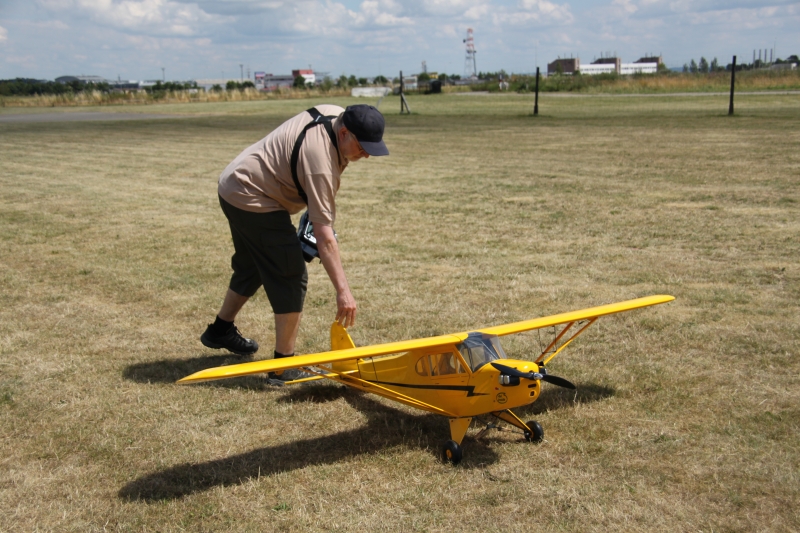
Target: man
(297, 166)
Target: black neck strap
(327, 123)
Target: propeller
(542, 374)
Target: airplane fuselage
(442, 379)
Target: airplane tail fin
(341, 340)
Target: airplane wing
(316, 359)
(574, 316)
(273, 365)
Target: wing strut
(374, 388)
(541, 359)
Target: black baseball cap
(366, 123)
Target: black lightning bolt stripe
(469, 389)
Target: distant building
(259, 79)
(599, 68)
(564, 66)
(308, 75)
(638, 68)
(125, 85)
(410, 83)
(281, 81)
(658, 60)
(82, 79)
(608, 61)
(605, 65)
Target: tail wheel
(451, 452)
(536, 434)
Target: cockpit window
(422, 366)
(443, 364)
(478, 349)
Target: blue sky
(190, 39)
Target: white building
(593, 69)
(638, 68)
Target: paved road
(76, 117)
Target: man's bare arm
(329, 255)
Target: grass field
(115, 256)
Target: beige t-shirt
(260, 178)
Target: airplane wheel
(451, 452)
(537, 433)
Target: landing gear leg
(532, 430)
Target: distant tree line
(31, 87)
(240, 86)
(703, 66)
(173, 86)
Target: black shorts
(268, 253)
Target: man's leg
(246, 279)
(286, 327)
(232, 305)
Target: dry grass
(96, 98)
(757, 80)
(115, 255)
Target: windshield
(478, 349)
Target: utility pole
(733, 78)
(241, 69)
(163, 74)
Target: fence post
(403, 103)
(733, 78)
(401, 92)
(536, 100)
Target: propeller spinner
(542, 375)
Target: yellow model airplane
(460, 376)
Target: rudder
(341, 340)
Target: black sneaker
(290, 375)
(231, 341)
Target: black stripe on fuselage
(469, 389)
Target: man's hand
(345, 309)
(329, 255)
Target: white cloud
(627, 6)
(203, 38)
(153, 17)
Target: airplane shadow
(553, 398)
(171, 370)
(386, 427)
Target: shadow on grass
(171, 370)
(553, 398)
(386, 428)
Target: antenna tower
(470, 70)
